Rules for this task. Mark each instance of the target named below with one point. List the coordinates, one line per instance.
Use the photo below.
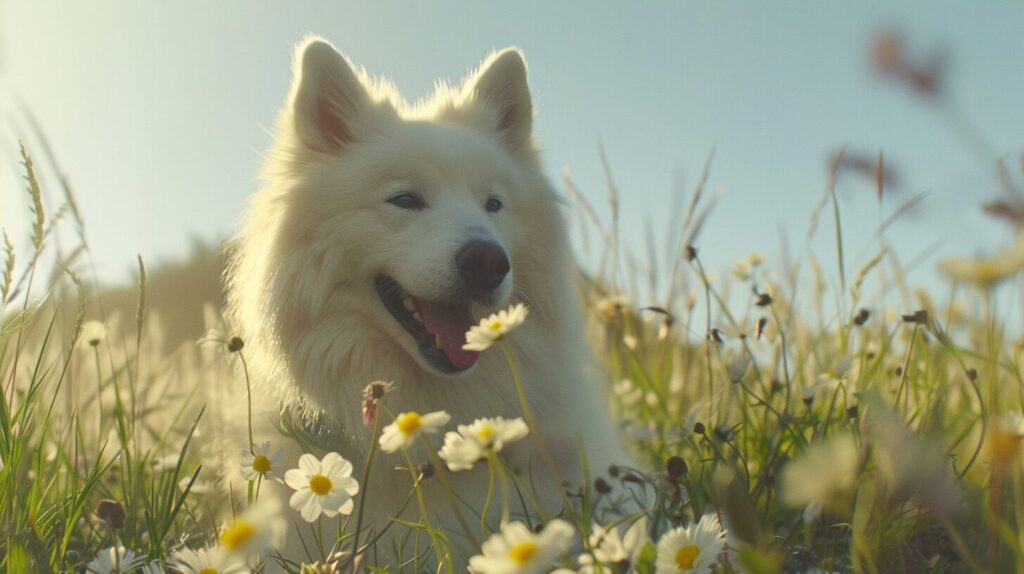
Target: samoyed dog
(383, 232)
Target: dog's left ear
(501, 85)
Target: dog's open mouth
(439, 328)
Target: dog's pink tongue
(449, 323)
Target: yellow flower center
(686, 556)
(320, 484)
(409, 422)
(237, 535)
(261, 464)
(522, 553)
(485, 433)
(209, 571)
(495, 326)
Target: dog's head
(400, 223)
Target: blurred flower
(628, 393)
(494, 328)
(93, 333)
(615, 552)
(318, 568)
(211, 560)
(255, 529)
(322, 486)
(694, 548)
(113, 560)
(985, 272)
(408, 425)
(825, 471)
(463, 449)
(260, 463)
(743, 269)
(630, 342)
(517, 550)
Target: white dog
(383, 232)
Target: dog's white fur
(301, 279)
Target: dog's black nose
(482, 264)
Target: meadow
(784, 418)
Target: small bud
(698, 428)
(426, 470)
(724, 433)
(899, 371)
(920, 317)
(862, 317)
(763, 300)
(852, 412)
(972, 374)
(235, 344)
(601, 486)
(111, 512)
(759, 327)
(715, 334)
(676, 467)
(613, 471)
(691, 253)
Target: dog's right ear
(328, 98)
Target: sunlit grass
(829, 419)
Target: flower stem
(525, 407)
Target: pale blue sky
(159, 111)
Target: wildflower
(517, 550)
(692, 548)
(322, 486)
(826, 471)
(613, 550)
(260, 463)
(494, 328)
(114, 560)
(93, 333)
(372, 395)
(318, 568)
(463, 449)
(408, 425)
(211, 560)
(985, 272)
(253, 530)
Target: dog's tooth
(437, 341)
(410, 305)
(416, 315)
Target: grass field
(783, 419)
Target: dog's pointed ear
(328, 98)
(501, 84)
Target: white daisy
(261, 525)
(494, 328)
(612, 550)
(694, 548)
(261, 463)
(407, 426)
(322, 486)
(211, 560)
(113, 560)
(517, 550)
(463, 449)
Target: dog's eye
(407, 200)
(493, 205)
